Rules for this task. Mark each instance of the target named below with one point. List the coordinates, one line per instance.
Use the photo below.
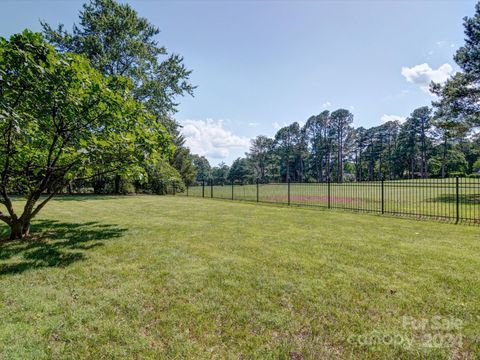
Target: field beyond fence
(453, 199)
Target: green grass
(175, 277)
(435, 198)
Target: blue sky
(261, 64)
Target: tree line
(328, 148)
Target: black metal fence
(453, 199)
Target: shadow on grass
(462, 198)
(85, 197)
(54, 244)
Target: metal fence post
(257, 191)
(383, 196)
(203, 188)
(288, 191)
(328, 191)
(211, 188)
(457, 198)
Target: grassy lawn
(177, 277)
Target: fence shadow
(87, 197)
(54, 244)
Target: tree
(476, 166)
(314, 129)
(60, 118)
(327, 147)
(220, 174)
(445, 131)
(118, 41)
(455, 165)
(389, 142)
(471, 151)
(240, 171)
(161, 177)
(285, 141)
(300, 153)
(202, 166)
(359, 147)
(407, 149)
(182, 160)
(421, 122)
(459, 97)
(341, 120)
(260, 154)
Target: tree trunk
(117, 181)
(287, 174)
(444, 157)
(301, 170)
(19, 229)
(328, 167)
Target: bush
(476, 165)
(162, 179)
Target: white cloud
(253, 124)
(210, 138)
(423, 74)
(327, 104)
(385, 118)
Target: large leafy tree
(118, 41)
(59, 118)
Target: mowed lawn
(176, 277)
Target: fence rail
(452, 199)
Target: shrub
(162, 178)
